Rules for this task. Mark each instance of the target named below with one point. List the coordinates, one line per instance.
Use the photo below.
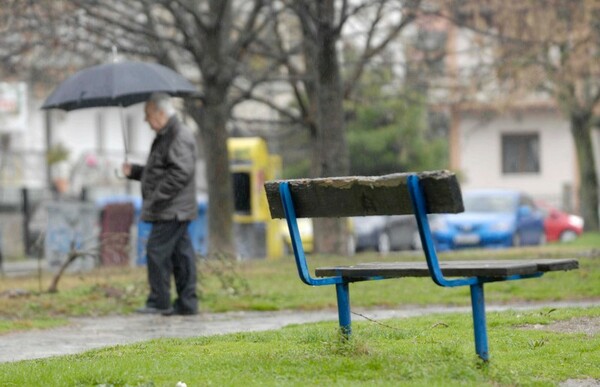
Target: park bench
(396, 194)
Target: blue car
(492, 218)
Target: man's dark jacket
(169, 176)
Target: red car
(559, 225)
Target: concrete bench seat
(484, 268)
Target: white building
(530, 149)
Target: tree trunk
(331, 158)
(220, 198)
(588, 191)
(217, 79)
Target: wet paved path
(84, 334)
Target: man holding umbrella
(169, 203)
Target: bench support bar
(479, 322)
(343, 302)
(418, 201)
(299, 255)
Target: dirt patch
(587, 325)
(580, 383)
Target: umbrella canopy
(117, 84)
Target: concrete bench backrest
(365, 196)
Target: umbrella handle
(124, 132)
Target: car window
(489, 202)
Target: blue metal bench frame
(342, 284)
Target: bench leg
(479, 323)
(343, 301)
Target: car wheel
(567, 236)
(383, 243)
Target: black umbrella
(117, 84)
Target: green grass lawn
(432, 350)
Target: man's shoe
(152, 310)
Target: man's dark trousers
(169, 248)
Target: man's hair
(162, 102)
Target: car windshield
(489, 202)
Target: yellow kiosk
(257, 235)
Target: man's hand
(126, 169)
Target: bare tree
(321, 81)
(37, 45)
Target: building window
(520, 153)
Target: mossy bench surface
(478, 268)
(366, 195)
